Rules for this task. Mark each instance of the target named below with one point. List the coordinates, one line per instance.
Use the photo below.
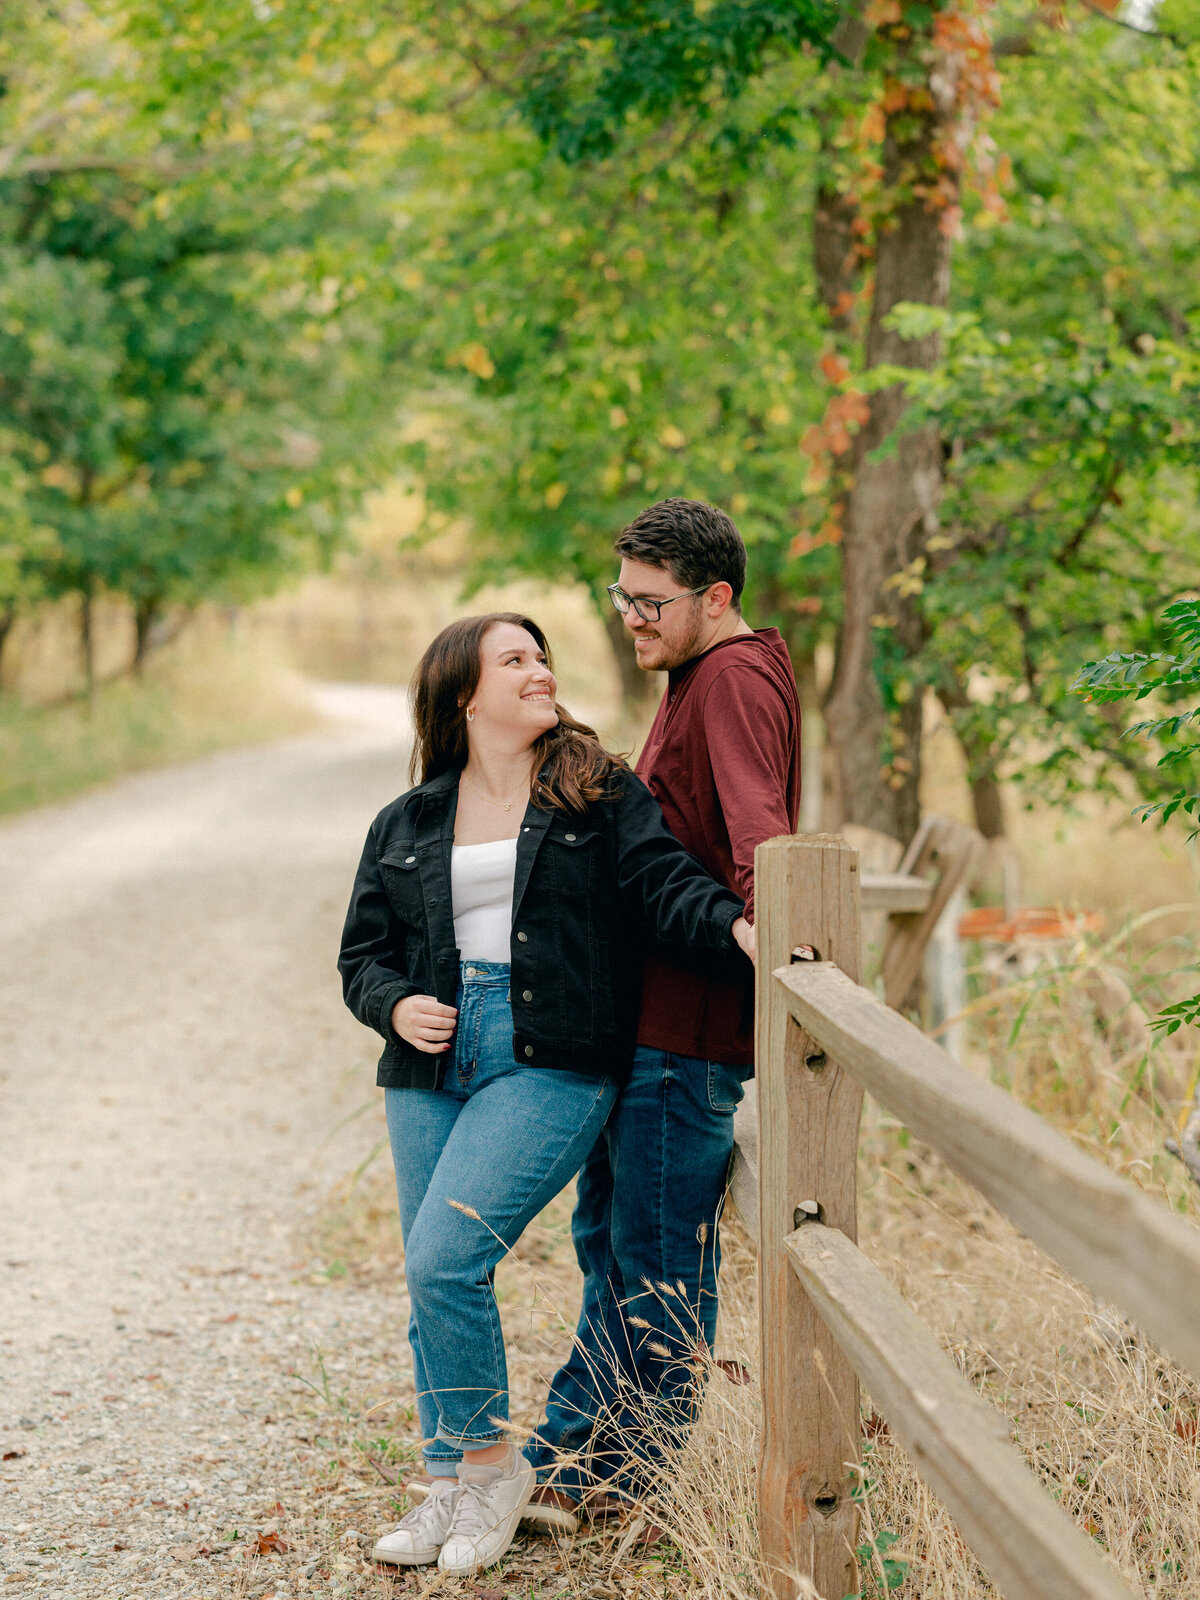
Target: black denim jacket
(586, 888)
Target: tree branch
(1132, 27)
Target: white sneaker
(486, 1512)
(543, 1514)
(421, 1532)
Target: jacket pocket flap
(573, 838)
(401, 856)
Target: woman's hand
(424, 1022)
(743, 932)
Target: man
(723, 758)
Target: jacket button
(528, 1049)
(523, 937)
(569, 837)
(527, 994)
(408, 860)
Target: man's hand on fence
(743, 932)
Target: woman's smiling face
(516, 691)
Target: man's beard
(687, 646)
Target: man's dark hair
(695, 542)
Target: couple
(556, 971)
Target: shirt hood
(763, 649)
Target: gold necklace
(505, 805)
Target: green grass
(206, 694)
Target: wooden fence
(828, 1318)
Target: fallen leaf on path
(14, 1455)
(386, 1473)
(269, 1544)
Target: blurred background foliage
(544, 264)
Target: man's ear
(717, 600)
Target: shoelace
(472, 1513)
(426, 1516)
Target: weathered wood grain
(743, 1169)
(946, 851)
(895, 892)
(957, 1441)
(1125, 1245)
(807, 893)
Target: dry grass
(1108, 1425)
(211, 689)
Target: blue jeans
(476, 1160)
(645, 1230)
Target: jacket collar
(431, 825)
(435, 789)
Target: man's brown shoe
(551, 1508)
(600, 1506)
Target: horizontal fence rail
(827, 1317)
(1126, 1246)
(895, 891)
(957, 1441)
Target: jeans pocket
(726, 1088)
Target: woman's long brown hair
(571, 768)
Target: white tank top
(481, 886)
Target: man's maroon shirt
(723, 759)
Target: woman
(491, 941)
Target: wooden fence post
(806, 893)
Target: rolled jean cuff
(472, 1441)
(440, 1466)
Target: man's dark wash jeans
(645, 1230)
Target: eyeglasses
(648, 610)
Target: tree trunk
(813, 811)
(982, 760)
(146, 613)
(8, 615)
(87, 642)
(874, 715)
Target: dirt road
(175, 1063)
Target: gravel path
(176, 1069)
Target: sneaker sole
(394, 1558)
(542, 1516)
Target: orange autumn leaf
(895, 96)
(813, 442)
(853, 406)
(839, 439)
(834, 368)
(818, 475)
(874, 124)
